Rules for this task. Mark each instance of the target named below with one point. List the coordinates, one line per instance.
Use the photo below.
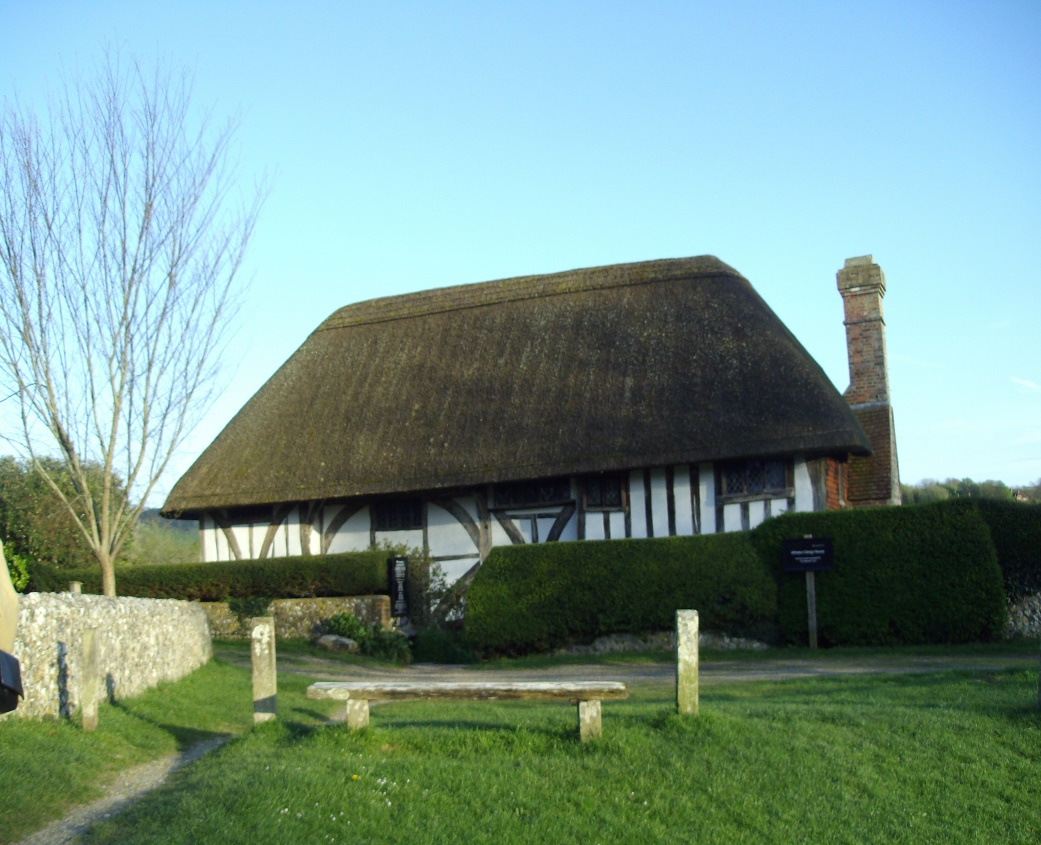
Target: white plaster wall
(595, 525)
(683, 498)
(617, 525)
(756, 513)
(280, 542)
(456, 569)
(241, 533)
(803, 485)
(732, 517)
(412, 539)
(223, 550)
(293, 548)
(445, 535)
(637, 504)
(570, 531)
(659, 502)
(707, 493)
(353, 535)
(499, 535)
(778, 506)
(208, 539)
(545, 526)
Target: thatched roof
(608, 368)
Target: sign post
(809, 555)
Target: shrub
(1015, 528)
(910, 575)
(348, 574)
(245, 609)
(535, 597)
(439, 645)
(372, 640)
(18, 569)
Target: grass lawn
(945, 757)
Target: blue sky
(416, 145)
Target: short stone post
(265, 677)
(589, 725)
(687, 662)
(76, 587)
(89, 677)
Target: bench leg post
(358, 713)
(589, 720)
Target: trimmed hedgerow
(534, 597)
(909, 575)
(1016, 530)
(348, 574)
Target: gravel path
(139, 780)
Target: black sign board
(813, 554)
(397, 581)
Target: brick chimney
(874, 480)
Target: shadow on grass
(184, 735)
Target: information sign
(397, 581)
(810, 554)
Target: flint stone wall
(1024, 618)
(141, 642)
(299, 618)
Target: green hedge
(910, 575)
(1016, 530)
(534, 597)
(348, 574)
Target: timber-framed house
(641, 400)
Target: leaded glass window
(604, 492)
(755, 477)
(542, 491)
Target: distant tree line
(931, 490)
(36, 525)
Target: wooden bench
(587, 694)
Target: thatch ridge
(518, 288)
(611, 368)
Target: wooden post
(265, 678)
(687, 662)
(811, 607)
(89, 680)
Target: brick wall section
(875, 480)
(835, 485)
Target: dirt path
(129, 786)
(715, 672)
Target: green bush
(535, 597)
(1016, 530)
(18, 569)
(910, 575)
(348, 574)
(372, 640)
(249, 607)
(439, 645)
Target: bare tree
(120, 259)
